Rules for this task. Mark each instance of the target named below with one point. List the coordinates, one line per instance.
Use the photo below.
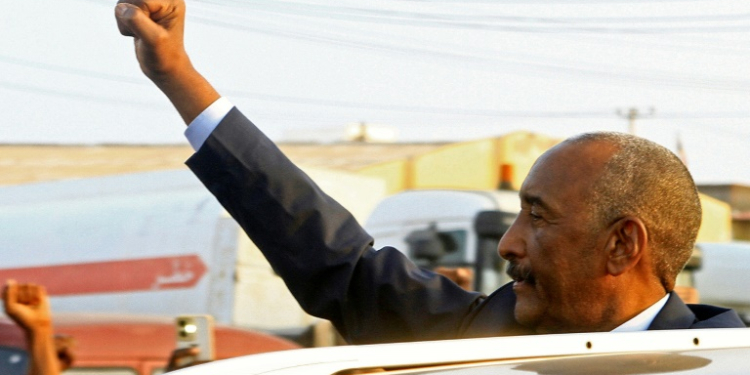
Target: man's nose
(512, 245)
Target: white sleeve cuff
(203, 125)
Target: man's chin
(527, 313)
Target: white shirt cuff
(202, 126)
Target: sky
(431, 70)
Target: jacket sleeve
(323, 255)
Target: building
(738, 198)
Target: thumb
(9, 293)
(134, 21)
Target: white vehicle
(699, 351)
(724, 276)
(452, 228)
(154, 243)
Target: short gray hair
(646, 180)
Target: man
(596, 247)
(607, 222)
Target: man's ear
(626, 245)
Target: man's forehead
(564, 170)
(571, 158)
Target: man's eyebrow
(536, 201)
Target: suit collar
(674, 315)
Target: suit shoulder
(708, 316)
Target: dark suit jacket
(329, 264)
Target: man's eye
(534, 216)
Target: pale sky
(432, 70)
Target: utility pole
(633, 114)
(361, 133)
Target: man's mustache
(520, 273)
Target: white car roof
(418, 357)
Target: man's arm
(157, 29)
(323, 255)
(28, 306)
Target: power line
(70, 95)
(296, 100)
(505, 23)
(301, 10)
(575, 70)
(87, 73)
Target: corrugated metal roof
(20, 164)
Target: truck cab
(448, 228)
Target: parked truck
(448, 228)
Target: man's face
(555, 248)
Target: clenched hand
(157, 27)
